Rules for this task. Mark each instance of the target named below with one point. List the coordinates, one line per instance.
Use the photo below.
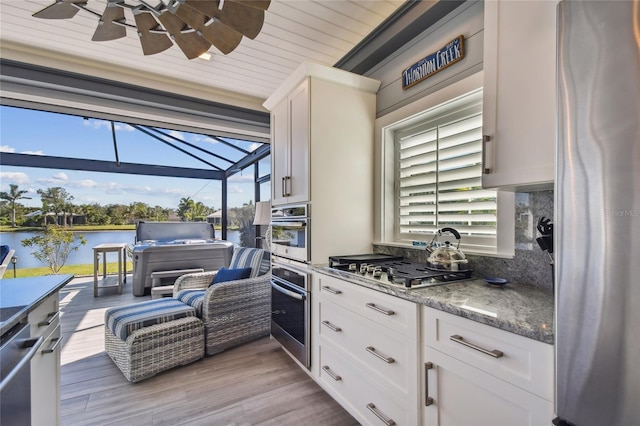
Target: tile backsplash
(530, 264)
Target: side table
(122, 264)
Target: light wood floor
(254, 384)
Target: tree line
(59, 209)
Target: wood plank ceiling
(294, 31)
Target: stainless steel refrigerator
(597, 217)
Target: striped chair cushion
(245, 257)
(193, 298)
(124, 320)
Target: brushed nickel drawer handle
(54, 345)
(386, 359)
(378, 309)
(427, 366)
(331, 290)
(51, 317)
(494, 353)
(331, 326)
(387, 421)
(331, 374)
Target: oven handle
(298, 224)
(289, 293)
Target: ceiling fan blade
(107, 28)
(258, 4)
(221, 36)
(191, 43)
(151, 42)
(238, 16)
(61, 9)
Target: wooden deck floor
(254, 384)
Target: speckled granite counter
(518, 308)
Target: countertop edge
(23, 313)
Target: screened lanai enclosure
(82, 130)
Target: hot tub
(167, 246)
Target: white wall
(466, 20)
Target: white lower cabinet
(45, 365)
(368, 352)
(389, 361)
(474, 374)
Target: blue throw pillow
(225, 274)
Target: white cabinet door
(45, 382)
(463, 395)
(290, 148)
(45, 365)
(519, 108)
(279, 152)
(298, 183)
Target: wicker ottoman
(147, 338)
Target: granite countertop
(522, 309)
(19, 296)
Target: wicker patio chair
(233, 312)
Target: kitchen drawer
(524, 362)
(392, 312)
(355, 390)
(43, 318)
(389, 356)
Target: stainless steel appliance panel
(290, 312)
(598, 214)
(290, 236)
(16, 351)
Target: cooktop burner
(395, 270)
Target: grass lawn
(77, 270)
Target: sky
(42, 133)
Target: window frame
(385, 230)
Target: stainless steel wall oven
(290, 311)
(290, 232)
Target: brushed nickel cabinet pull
(331, 290)
(494, 353)
(51, 317)
(284, 189)
(287, 190)
(54, 345)
(331, 374)
(485, 140)
(427, 366)
(386, 359)
(378, 309)
(331, 326)
(387, 421)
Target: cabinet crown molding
(311, 69)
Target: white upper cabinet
(322, 121)
(290, 148)
(519, 107)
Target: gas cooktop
(395, 270)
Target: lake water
(84, 255)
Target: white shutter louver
(439, 177)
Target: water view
(84, 255)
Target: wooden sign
(433, 63)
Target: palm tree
(11, 196)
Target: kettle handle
(452, 231)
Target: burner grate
(398, 270)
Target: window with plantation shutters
(438, 176)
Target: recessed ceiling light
(206, 56)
